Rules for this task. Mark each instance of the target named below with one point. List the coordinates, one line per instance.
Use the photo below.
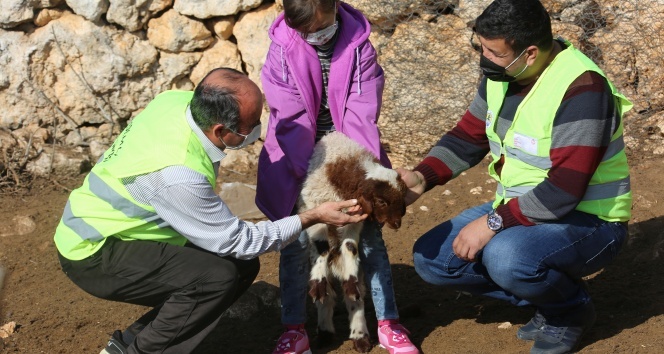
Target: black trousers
(188, 287)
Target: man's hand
(472, 239)
(415, 182)
(332, 213)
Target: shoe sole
(526, 336)
(382, 346)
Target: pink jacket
(292, 83)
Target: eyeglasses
(244, 136)
(474, 42)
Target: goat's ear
(380, 202)
(366, 204)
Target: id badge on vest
(525, 143)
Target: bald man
(147, 228)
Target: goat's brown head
(383, 202)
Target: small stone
(19, 226)
(424, 208)
(7, 329)
(505, 325)
(476, 190)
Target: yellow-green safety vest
(527, 143)
(156, 138)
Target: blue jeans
(539, 265)
(294, 268)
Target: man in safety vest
(147, 228)
(552, 124)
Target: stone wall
(74, 72)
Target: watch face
(494, 222)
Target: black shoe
(530, 330)
(115, 345)
(563, 334)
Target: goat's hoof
(351, 288)
(362, 345)
(324, 339)
(318, 289)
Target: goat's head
(383, 202)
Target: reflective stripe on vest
(545, 163)
(593, 192)
(78, 225)
(104, 192)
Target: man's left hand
(472, 239)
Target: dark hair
(301, 14)
(215, 104)
(520, 22)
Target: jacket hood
(353, 25)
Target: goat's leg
(347, 268)
(325, 317)
(319, 253)
(359, 333)
(318, 282)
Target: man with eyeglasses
(147, 228)
(552, 125)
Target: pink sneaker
(293, 342)
(394, 338)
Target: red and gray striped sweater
(582, 129)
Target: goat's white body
(345, 266)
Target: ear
(366, 204)
(214, 132)
(380, 202)
(532, 52)
(218, 130)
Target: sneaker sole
(526, 336)
(382, 346)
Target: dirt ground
(54, 316)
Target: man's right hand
(415, 182)
(333, 213)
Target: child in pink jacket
(321, 75)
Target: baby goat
(341, 169)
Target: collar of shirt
(212, 150)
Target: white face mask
(248, 139)
(323, 36)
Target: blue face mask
(248, 139)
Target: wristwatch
(494, 221)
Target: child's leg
(376, 266)
(391, 334)
(294, 281)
